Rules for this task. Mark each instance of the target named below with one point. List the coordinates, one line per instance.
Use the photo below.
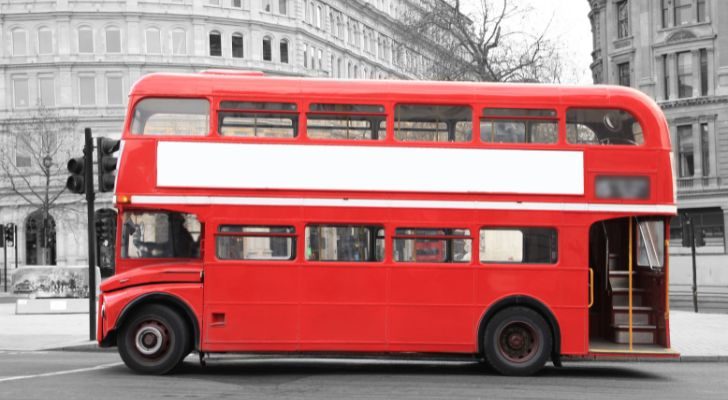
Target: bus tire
(154, 340)
(517, 341)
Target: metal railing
(699, 183)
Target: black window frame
(529, 117)
(259, 109)
(448, 236)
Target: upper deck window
(603, 126)
(171, 117)
(346, 122)
(433, 123)
(258, 119)
(517, 125)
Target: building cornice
(693, 101)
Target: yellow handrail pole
(591, 288)
(629, 273)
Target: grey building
(676, 51)
(77, 59)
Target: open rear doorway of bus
(628, 314)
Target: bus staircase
(644, 330)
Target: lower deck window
(160, 234)
(432, 245)
(357, 243)
(519, 245)
(238, 242)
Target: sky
(569, 26)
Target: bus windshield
(160, 234)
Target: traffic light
(9, 235)
(2, 237)
(105, 148)
(76, 182)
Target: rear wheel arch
(161, 298)
(523, 301)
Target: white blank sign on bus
(368, 168)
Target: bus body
(517, 223)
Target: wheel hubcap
(151, 338)
(518, 342)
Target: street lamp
(47, 163)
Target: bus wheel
(154, 341)
(517, 341)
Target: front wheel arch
(529, 302)
(165, 299)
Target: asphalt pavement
(94, 375)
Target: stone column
(713, 151)
(697, 151)
(711, 72)
(725, 224)
(672, 67)
(695, 55)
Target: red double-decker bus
(516, 224)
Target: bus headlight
(622, 187)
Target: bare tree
(33, 156)
(479, 46)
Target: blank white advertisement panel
(368, 168)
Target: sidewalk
(694, 336)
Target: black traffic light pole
(5, 259)
(88, 166)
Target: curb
(90, 347)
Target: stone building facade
(78, 59)
(676, 51)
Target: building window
(623, 19)
(703, 72)
(266, 5)
(701, 11)
(623, 72)
(665, 13)
(284, 51)
(705, 148)
(215, 44)
(153, 42)
(238, 3)
(318, 17)
(267, 53)
(686, 165)
(87, 90)
(114, 90)
(20, 46)
(45, 41)
(113, 40)
(283, 7)
(85, 40)
(46, 86)
(237, 45)
(320, 59)
(21, 97)
(685, 74)
(683, 11)
(665, 77)
(179, 42)
(305, 55)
